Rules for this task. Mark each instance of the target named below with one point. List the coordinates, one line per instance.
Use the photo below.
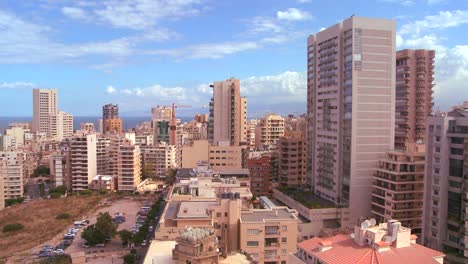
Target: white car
(58, 251)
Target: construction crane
(173, 124)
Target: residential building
(219, 157)
(12, 171)
(128, 167)
(102, 183)
(2, 191)
(158, 159)
(413, 102)
(268, 131)
(161, 131)
(60, 126)
(83, 162)
(102, 155)
(351, 109)
(58, 169)
(292, 159)
(161, 113)
(44, 105)
(15, 137)
(385, 243)
(445, 192)
(197, 246)
(259, 168)
(111, 123)
(201, 118)
(269, 235)
(228, 114)
(251, 125)
(87, 127)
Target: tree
(41, 170)
(93, 235)
(147, 171)
(105, 225)
(129, 259)
(126, 236)
(171, 174)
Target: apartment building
(161, 132)
(268, 131)
(228, 114)
(2, 191)
(128, 167)
(158, 159)
(61, 126)
(219, 157)
(351, 109)
(111, 123)
(413, 102)
(161, 113)
(58, 169)
(259, 168)
(87, 127)
(44, 105)
(369, 243)
(15, 137)
(82, 161)
(445, 194)
(251, 125)
(269, 235)
(102, 155)
(292, 159)
(12, 170)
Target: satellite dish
(372, 222)
(365, 224)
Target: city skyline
(141, 54)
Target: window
(252, 243)
(218, 214)
(225, 214)
(283, 239)
(285, 228)
(283, 262)
(271, 229)
(437, 149)
(252, 231)
(283, 252)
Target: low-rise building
(102, 182)
(197, 246)
(259, 169)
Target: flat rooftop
(194, 209)
(262, 215)
(160, 252)
(307, 198)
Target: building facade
(129, 167)
(158, 159)
(111, 123)
(351, 108)
(12, 171)
(44, 105)
(259, 168)
(292, 159)
(268, 131)
(61, 126)
(82, 161)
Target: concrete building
(60, 126)
(102, 182)
(292, 167)
(251, 125)
(44, 105)
(268, 131)
(15, 137)
(161, 132)
(58, 169)
(87, 127)
(414, 83)
(111, 123)
(161, 113)
(228, 114)
(259, 175)
(158, 159)
(197, 246)
(128, 167)
(446, 194)
(2, 191)
(399, 188)
(82, 161)
(385, 243)
(269, 235)
(12, 171)
(102, 155)
(351, 109)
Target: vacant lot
(38, 219)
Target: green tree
(126, 236)
(41, 170)
(129, 259)
(105, 225)
(93, 235)
(171, 174)
(147, 171)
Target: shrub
(129, 259)
(102, 191)
(12, 227)
(86, 192)
(55, 195)
(10, 202)
(63, 216)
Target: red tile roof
(345, 251)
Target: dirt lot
(38, 219)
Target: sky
(142, 53)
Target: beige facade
(219, 157)
(269, 235)
(268, 131)
(128, 167)
(61, 126)
(12, 169)
(15, 136)
(161, 113)
(192, 154)
(82, 161)
(111, 123)
(159, 158)
(351, 109)
(2, 191)
(58, 168)
(44, 105)
(292, 159)
(228, 113)
(87, 127)
(414, 83)
(196, 246)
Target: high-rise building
(2, 191)
(446, 193)
(158, 159)
(228, 114)
(161, 131)
(110, 119)
(292, 159)
(259, 168)
(161, 113)
(82, 161)
(128, 167)
(44, 105)
(402, 169)
(268, 131)
(15, 137)
(12, 170)
(102, 156)
(61, 126)
(413, 102)
(351, 109)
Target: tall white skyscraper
(61, 126)
(44, 105)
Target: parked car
(143, 243)
(85, 245)
(44, 254)
(100, 245)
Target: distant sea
(128, 121)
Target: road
(142, 251)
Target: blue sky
(140, 53)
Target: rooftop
(263, 215)
(307, 198)
(194, 209)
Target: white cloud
(293, 14)
(444, 19)
(154, 91)
(264, 24)
(401, 2)
(74, 12)
(14, 85)
(110, 90)
(287, 86)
